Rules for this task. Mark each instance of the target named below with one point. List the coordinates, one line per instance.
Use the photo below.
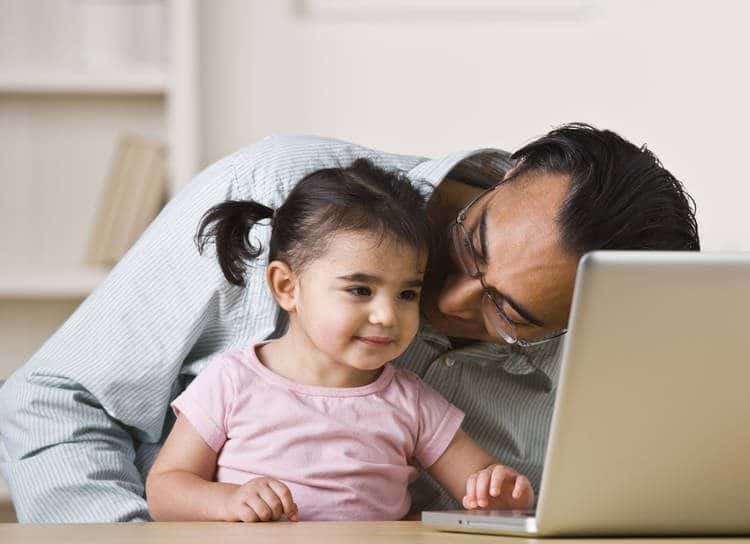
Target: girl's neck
(293, 358)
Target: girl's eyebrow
(376, 280)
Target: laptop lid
(651, 430)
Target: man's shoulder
(273, 165)
(322, 150)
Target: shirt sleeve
(73, 417)
(207, 401)
(439, 421)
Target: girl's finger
(273, 501)
(499, 473)
(522, 487)
(285, 496)
(471, 493)
(262, 510)
(483, 487)
(246, 514)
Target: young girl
(318, 425)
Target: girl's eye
(360, 291)
(409, 295)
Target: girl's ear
(282, 282)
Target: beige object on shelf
(135, 192)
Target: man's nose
(461, 296)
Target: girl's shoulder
(408, 382)
(415, 388)
(405, 375)
(237, 365)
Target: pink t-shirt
(344, 453)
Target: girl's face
(358, 303)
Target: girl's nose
(461, 296)
(383, 313)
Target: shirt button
(449, 362)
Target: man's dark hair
(621, 197)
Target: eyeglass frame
(454, 227)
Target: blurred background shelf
(53, 80)
(49, 283)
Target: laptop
(651, 428)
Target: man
(83, 420)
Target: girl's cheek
(331, 328)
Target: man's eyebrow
(376, 280)
(485, 253)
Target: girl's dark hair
(620, 197)
(361, 197)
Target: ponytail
(228, 225)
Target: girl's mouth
(375, 340)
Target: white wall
(431, 76)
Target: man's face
(525, 263)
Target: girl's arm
(477, 480)
(180, 486)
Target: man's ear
(283, 284)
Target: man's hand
(498, 487)
(260, 499)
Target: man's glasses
(491, 303)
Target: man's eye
(476, 246)
(409, 295)
(514, 317)
(360, 291)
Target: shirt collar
(544, 358)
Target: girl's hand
(261, 499)
(498, 487)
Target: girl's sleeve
(207, 401)
(439, 421)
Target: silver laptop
(651, 429)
